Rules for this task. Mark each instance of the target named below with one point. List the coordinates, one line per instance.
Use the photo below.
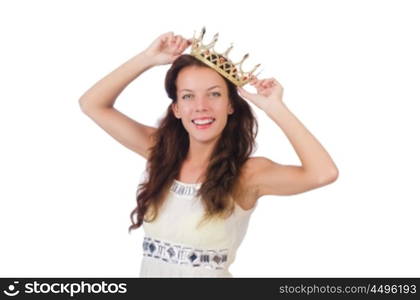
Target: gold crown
(219, 61)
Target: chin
(204, 137)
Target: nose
(201, 104)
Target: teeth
(202, 122)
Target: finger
(171, 40)
(164, 38)
(273, 82)
(253, 81)
(174, 39)
(167, 34)
(276, 82)
(182, 46)
(178, 40)
(259, 84)
(266, 83)
(188, 42)
(185, 45)
(179, 45)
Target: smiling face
(202, 102)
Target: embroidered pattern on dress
(184, 255)
(183, 189)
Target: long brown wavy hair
(170, 148)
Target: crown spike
(226, 53)
(220, 62)
(203, 31)
(242, 61)
(253, 70)
(259, 71)
(213, 42)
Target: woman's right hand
(166, 48)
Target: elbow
(328, 177)
(335, 174)
(82, 105)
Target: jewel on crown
(220, 61)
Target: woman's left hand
(269, 93)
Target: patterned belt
(184, 255)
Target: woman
(202, 185)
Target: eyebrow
(207, 89)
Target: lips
(203, 121)
(206, 122)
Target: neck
(199, 153)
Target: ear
(230, 110)
(175, 110)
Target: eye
(216, 93)
(186, 95)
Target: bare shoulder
(257, 162)
(253, 167)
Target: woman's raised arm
(98, 101)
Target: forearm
(314, 158)
(105, 91)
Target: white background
(350, 72)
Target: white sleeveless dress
(173, 247)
